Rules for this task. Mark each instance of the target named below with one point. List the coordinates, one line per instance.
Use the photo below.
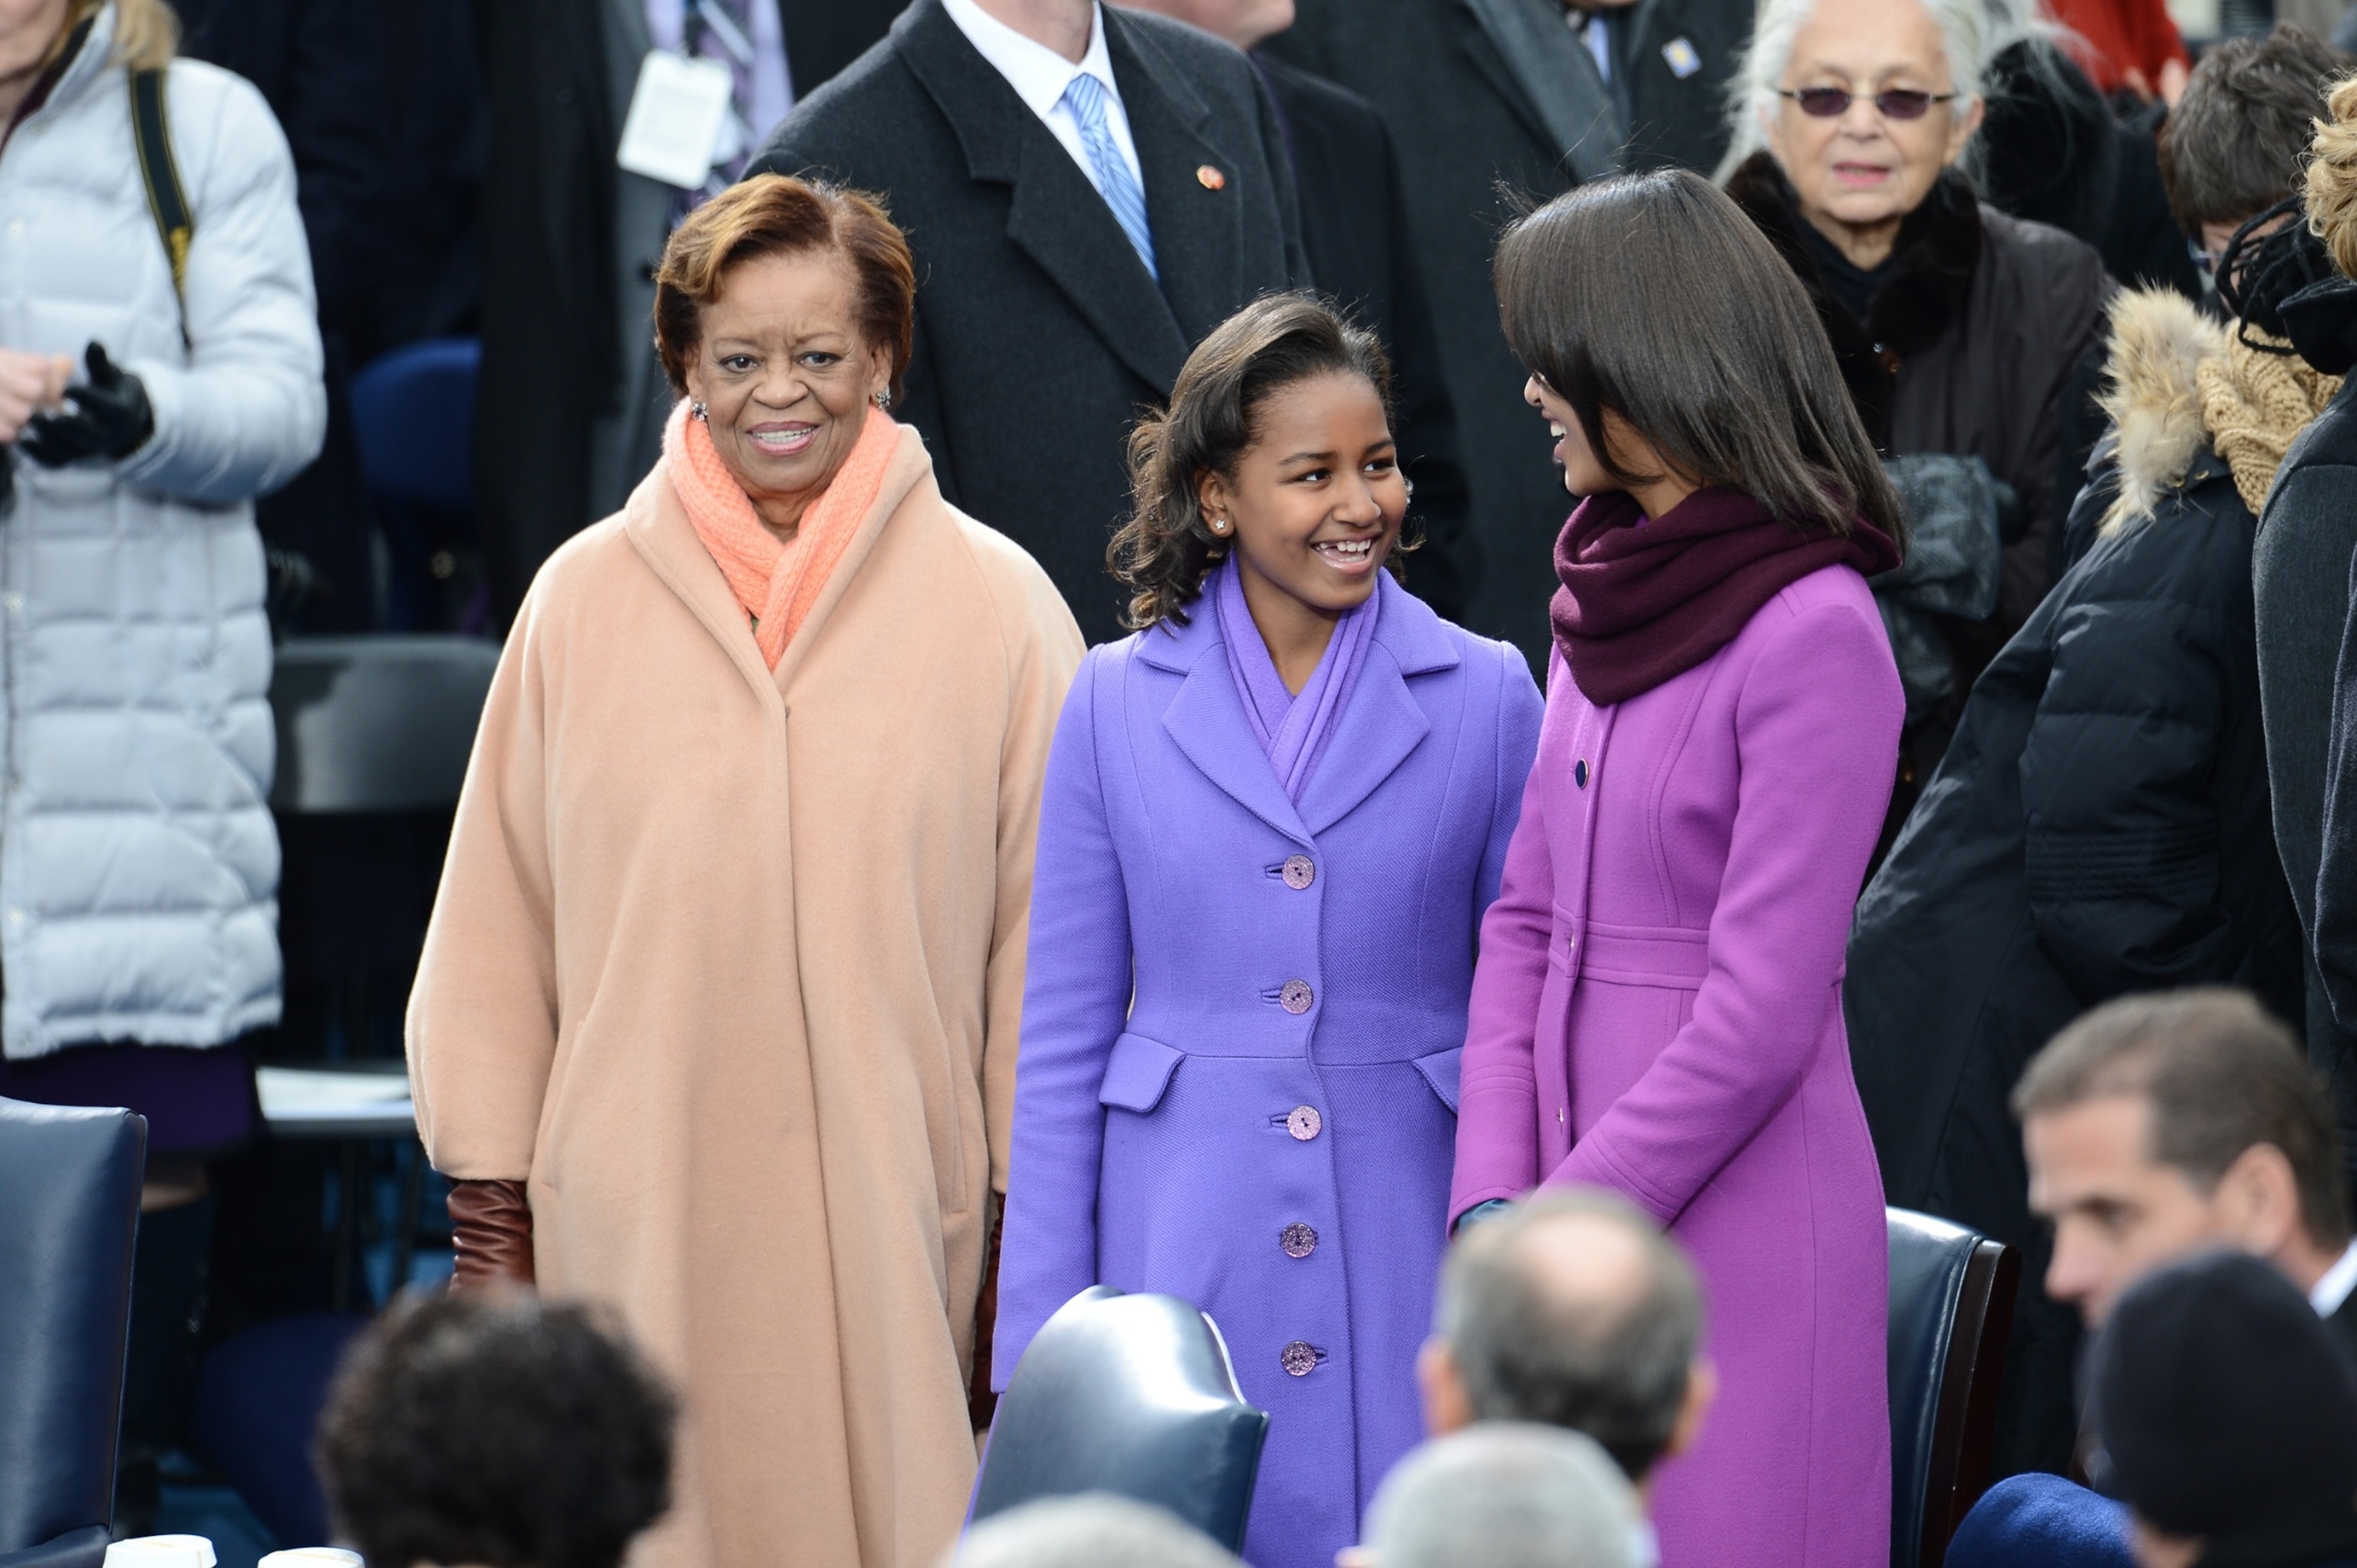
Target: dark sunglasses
(1896, 103)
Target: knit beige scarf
(2253, 404)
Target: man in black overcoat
(1480, 94)
(1354, 228)
(1040, 332)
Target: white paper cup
(310, 1557)
(161, 1551)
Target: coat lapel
(1197, 230)
(1383, 723)
(1552, 78)
(1207, 720)
(658, 529)
(1054, 216)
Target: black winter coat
(1039, 333)
(2100, 825)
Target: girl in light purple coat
(1658, 1006)
(1273, 819)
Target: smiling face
(1316, 502)
(1584, 474)
(1861, 169)
(785, 377)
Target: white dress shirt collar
(1039, 76)
(2338, 1282)
(1038, 73)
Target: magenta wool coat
(1658, 1011)
(1241, 1023)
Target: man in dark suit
(1668, 63)
(1479, 94)
(1355, 228)
(1086, 200)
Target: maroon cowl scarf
(1642, 602)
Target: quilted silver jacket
(138, 864)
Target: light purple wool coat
(1168, 1142)
(1658, 1011)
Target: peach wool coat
(727, 966)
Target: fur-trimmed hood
(2179, 383)
(1939, 247)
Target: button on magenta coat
(1287, 1171)
(1658, 1010)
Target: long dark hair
(1166, 549)
(1653, 295)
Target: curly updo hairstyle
(776, 215)
(499, 1431)
(1166, 549)
(2332, 177)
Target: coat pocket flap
(1441, 1069)
(1139, 1072)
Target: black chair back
(376, 724)
(69, 1215)
(1130, 1394)
(1951, 1292)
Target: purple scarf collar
(1639, 605)
(1294, 731)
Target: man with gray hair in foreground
(1503, 1494)
(1091, 1529)
(1571, 1310)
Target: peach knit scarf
(776, 580)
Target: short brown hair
(1653, 296)
(2234, 145)
(2221, 1075)
(779, 215)
(1166, 550)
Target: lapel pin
(1210, 178)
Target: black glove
(111, 419)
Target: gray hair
(1091, 1530)
(1615, 1368)
(1504, 1495)
(1970, 32)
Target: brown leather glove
(490, 1230)
(981, 1404)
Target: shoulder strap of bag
(175, 224)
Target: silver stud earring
(1219, 525)
(697, 411)
(884, 400)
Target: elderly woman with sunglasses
(1957, 328)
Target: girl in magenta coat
(1657, 1008)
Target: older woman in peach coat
(716, 1016)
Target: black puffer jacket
(2099, 825)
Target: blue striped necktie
(1086, 97)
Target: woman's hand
(30, 384)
